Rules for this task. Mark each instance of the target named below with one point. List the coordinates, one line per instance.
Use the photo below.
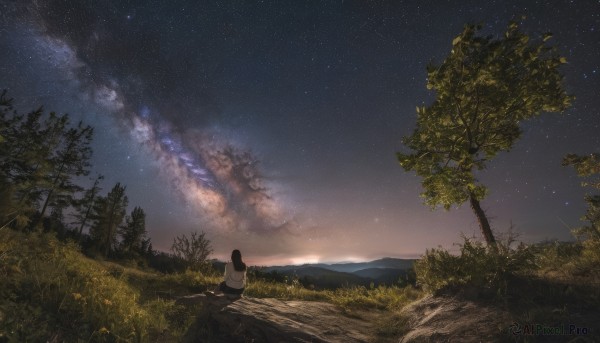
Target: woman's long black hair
(236, 258)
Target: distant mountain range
(351, 267)
(321, 275)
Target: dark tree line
(41, 157)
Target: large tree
(23, 162)
(484, 89)
(69, 159)
(40, 155)
(109, 212)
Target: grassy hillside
(49, 291)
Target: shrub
(556, 257)
(476, 265)
(193, 250)
(589, 262)
(567, 260)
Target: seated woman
(235, 275)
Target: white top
(233, 278)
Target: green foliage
(589, 262)
(569, 261)
(84, 206)
(189, 281)
(39, 159)
(383, 297)
(133, 233)
(556, 258)
(69, 159)
(193, 250)
(348, 298)
(589, 167)
(293, 291)
(475, 266)
(484, 89)
(49, 291)
(108, 214)
(392, 326)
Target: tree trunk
(484, 224)
(43, 211)
(87, 213)
(48, 197)
(44, 207)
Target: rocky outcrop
(449, 319)
(271, 320)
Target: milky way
(217, 178)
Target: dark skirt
(229, 290)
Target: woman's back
(234, 278)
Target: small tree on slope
(193, 250)
(484, 89)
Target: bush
(568, 260)
(556, 257)
(589, 262)
(475, 266)
(193, 251)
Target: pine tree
(39, 157)
(108, 215)
(133, 233)
(84, 206)
(68, 160)
(24, 155)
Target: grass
(476, 266)
(49, 291)
(390, 298)
(383, 301)
(496, 271)
(347, 298)
(550, 283)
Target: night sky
(273, 125)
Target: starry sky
(273, 125)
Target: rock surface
(461, 317)
(271, 320)
(448, 319)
